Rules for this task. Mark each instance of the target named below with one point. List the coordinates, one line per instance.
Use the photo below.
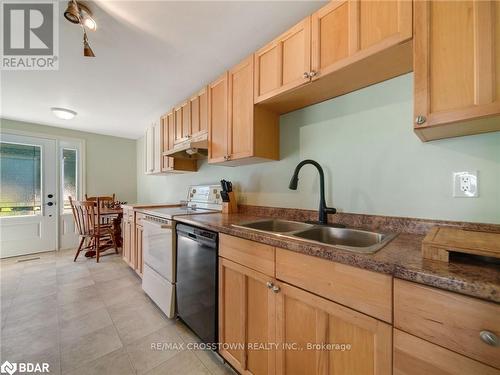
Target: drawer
(365, 291)
(414, 356)
(257, 256)
(447, 319)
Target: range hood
(192, 148)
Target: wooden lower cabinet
(139, 261)
(246, 316)
(414, 356)
(294, 331)
(329, 338)
(127, 233)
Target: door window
(20, 179)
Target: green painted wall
(110, 161)
(373, 162)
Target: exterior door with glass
(28, 195)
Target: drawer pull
(489, 338)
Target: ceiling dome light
(63, 113)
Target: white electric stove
(159, 246)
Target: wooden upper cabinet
(304, 319)
(171, 130)
(186, 120)
(199, 113)
(241, 111)
(168, 133)
(347, 30)
(457, 68)
(239, 131)
(164, 134)
(178, 124)
(218, 119)
(284, 63)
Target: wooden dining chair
(104, 199)
(93, 236)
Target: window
(20, 177)
(69, 177)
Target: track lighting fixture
(78, 13)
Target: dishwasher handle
(199, 235)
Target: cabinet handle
(312, 74)
(276, 289)
(229, 157)
(489, 338)
(269, 285)
(306, 75)
(419, 120)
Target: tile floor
(89, 318)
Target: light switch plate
(465, 184)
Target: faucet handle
(330, 210)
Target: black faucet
(323, 209)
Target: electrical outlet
(465, 184)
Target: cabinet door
(246, 316)
(165, 160)
(149, 150)
(456, 63)
(186, 120)
(304, 319)
(218, 119)
(194, 111)
(344, 30)
(203, 99)
(138, 264)
(126, 246)
(284, 63)
(241, 111)
(157, 148)
(178, 124)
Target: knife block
(230, 207)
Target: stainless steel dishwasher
(197, 280)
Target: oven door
(158, 247)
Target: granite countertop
(401, 257)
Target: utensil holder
(230, 207)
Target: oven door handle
(157, 224)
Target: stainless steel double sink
(356, 240)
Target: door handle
(50, 204)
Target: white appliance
(159, 248)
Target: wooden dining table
(117, 227)
(117, 221)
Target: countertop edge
(400, 271)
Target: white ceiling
(150, 56)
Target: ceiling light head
(77, 12)
(63, 113)
(89, 23)
(87, 51)
(72, 12)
